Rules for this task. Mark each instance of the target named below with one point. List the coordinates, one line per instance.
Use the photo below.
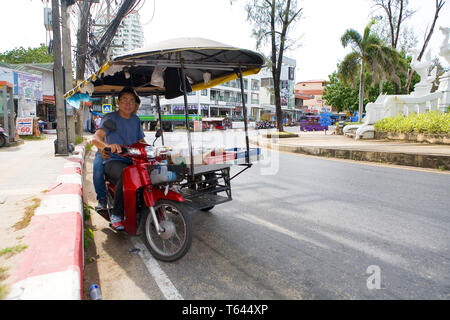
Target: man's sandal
(118, 226)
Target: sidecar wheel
(176, 240)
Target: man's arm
(99, 141)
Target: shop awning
(49, 99)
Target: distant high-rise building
(129, 36)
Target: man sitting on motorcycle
(128, 131)
(98, 175)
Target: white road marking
(255, 220)
(356, 245)
(162, 280)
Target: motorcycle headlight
(134, 152)
(151, 152)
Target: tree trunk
(361, 93)
(276, 71)
(278, 111)
(278, 63)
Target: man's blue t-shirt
(128, 131)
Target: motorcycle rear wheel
(176, 240)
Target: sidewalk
(43, 194)
(402, 153)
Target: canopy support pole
(244, 110)
(158, 107)
(186, 113)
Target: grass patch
(78, 139)
(29, 213)
(280, 135)
(31, 138)
(3, 289)
(3, 274)
(88, 237)
(9, 252)
(87, 211)
(88, 147)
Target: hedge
(429, 122)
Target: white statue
(444, 50)
(420, 100)
(422, 67)
(444, 85)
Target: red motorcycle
(3, 137)
(152, 207)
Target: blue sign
(106, 108)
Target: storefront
(46, 111)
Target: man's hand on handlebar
(115, 148)
(105, 154)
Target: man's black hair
(132, 91)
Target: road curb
(51, 268)
(433, 161)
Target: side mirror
(158, 133)
(110, 125)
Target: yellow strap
(94, 76)
(217, 81)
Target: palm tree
(371, 54)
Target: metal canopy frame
(234, 63)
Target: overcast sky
(322, 24)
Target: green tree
(339, 96)
(30, 55)
(371, 54)
(345, 98)
(272, 20)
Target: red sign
(24, 126)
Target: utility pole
(67, 63)
(61, 120)
(82, 36)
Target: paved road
(301, 227)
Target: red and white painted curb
(51, 268)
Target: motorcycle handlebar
(128, 151)
(108, 150)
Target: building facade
(225, 100)
(310, 95)
(129, 35)
(287, 84)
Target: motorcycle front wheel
(175, 241)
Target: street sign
(106, 108)
(24, 126)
